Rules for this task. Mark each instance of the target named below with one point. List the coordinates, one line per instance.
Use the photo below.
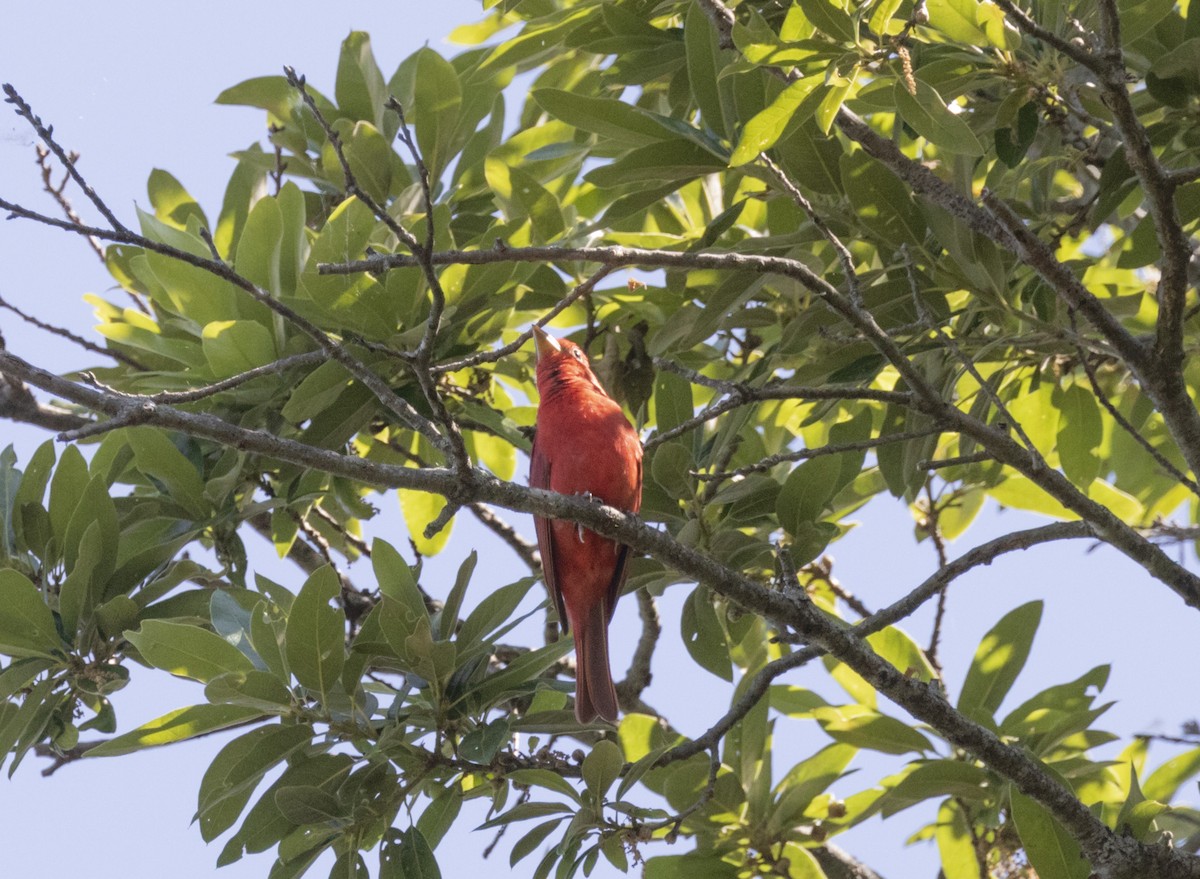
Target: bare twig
(64, 333)
(637, 678)
(817, 452)
(843, 253)
(744, 395)
(522, 547)
(1124, 423)
(582, 288)
(58, 193)
(46, 133)
(932, 527)
(275, 367)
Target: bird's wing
(617, 585)
(539, 477)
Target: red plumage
(584, 445)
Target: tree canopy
(938, 250)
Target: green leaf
(31, 490)
(956, 842)
(493, 610)
(254, 689)
(395, 578)
(420, 508)
(525, 846)
(525, 811)
(439, 815)
(316, 633)
(703, 636)
(26, 625)
(767, 126)
(691, 866)
(19, 728)
(670, 466)
(601, 768)
(360, 89)
(958, 19)
(937, 778)
(673, 403)
(704, 62)
(610, 118)
(998, 661)
(483, 743)
(238, 768)
(807, 492)
(928, 114)
(671, 160)
(306, 804)
(187, 650)
(547, 779)
(1164, 782)
(437, 100)
(1080, 432)
(1051, 850)
(236, 346)
(520, 196)
(448, 616)
(520, 672)
(864, 727)
(175, 726)
(808, 779)
(10, 480)
(831, 19)
(172, 203)
(157, 457)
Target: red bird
(584, 445)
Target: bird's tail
(595, 695)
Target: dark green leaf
(26, 625)
(316, 633)
(187, 650)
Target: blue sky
(130, 85)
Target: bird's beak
(546, 344)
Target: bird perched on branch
(584, 445)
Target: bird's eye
(576, 353)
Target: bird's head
(561, 362)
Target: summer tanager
(584, 446)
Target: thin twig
(522, 547)
(817, 452)
(933, 528)
(744, 395)
(46, 133)
(843, 253)
(1126, 425)
(637, 678)
(64, 333)
(275, 367)
(58, 193)
(582, 288)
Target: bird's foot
(587, 496)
